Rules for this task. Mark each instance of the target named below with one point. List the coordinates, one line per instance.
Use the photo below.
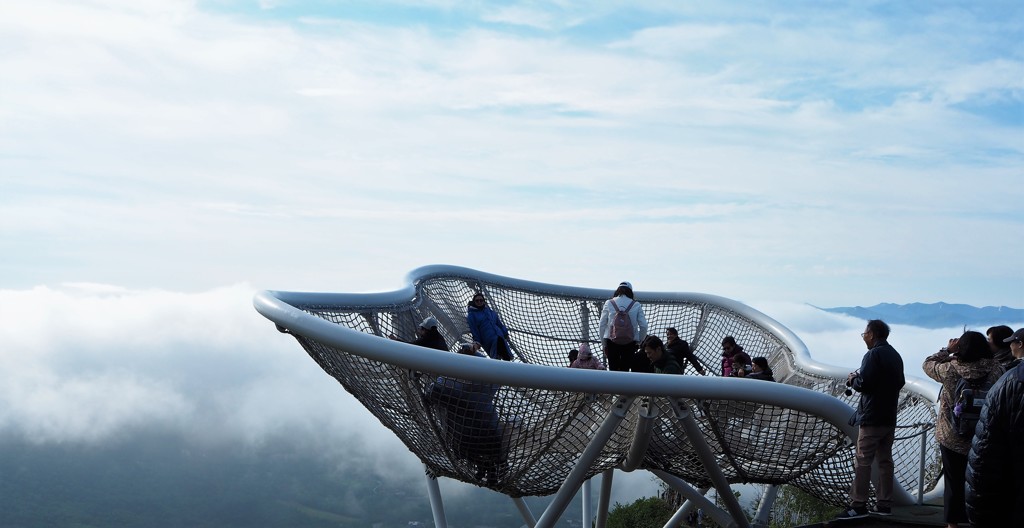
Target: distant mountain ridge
(936, 315)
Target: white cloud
(89, 362)
(155, 131)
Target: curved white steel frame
(294, 313)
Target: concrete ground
(902, 517)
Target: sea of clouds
(89, 364)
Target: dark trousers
(620, 357)
(954, 478)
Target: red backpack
(622, 326)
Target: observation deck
(532, 427)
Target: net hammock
(524, 438)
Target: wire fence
(524, 441)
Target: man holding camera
(878, 381)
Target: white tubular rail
(532, 427)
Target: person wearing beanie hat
(761, 370)
(619, 348)
(586, 359)
(427, 335)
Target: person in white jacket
(620, 342)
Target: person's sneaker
(880, 510)
(852, 512)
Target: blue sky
(804, 151)
(162, 160)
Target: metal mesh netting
(525, 441)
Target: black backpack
(968, 399)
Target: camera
(849, 382)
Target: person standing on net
(878, 381)
(487, 328)
(623, 326)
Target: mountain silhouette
(935, 315)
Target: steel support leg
(436, 505)
(764, 510)
(684, 511)
(720, 516)
(707, 458)
(524, 510)
(604, 501)
(588, 509)
(641, 436)
(575, 478)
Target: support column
(524, 510)
(720, 516)
(764, 510)
(707, 458)
(604, 501)
(588, 510)
(436, 505)
(593, 450)
(641, 436)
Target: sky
(804, 151)
(161, 161)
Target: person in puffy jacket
(995, 467)
(620, 354)
(586, 359)
(471, 422)
(487, 328)
(968, 357)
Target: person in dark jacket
(487, 328)
(995, 468)
(761, 370)
(878, 381)
(662, 361)
(1016, 342)
(735, 362)
(471, 422)
(681, 350)
(998, 337)
(968, 357)
(427, 335)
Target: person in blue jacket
(487, 329)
